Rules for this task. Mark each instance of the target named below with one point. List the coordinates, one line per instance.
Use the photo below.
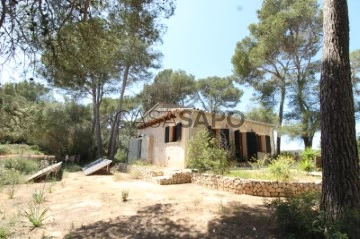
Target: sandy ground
(91, 207)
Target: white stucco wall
(172, 154)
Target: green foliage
(39, 196)
(9, 177)
(308, 160)
(309, 154)
(120, 156)
(277, 60)
(25, 166)
(298, 216)
(346, 226)
(307, 165)
(72, 168)
(35, 214)
(4, 233)
(204, 153)
(216, 92)
(280, 168)
(179, 86)
(258, 163)
(251, 174)
(4, 150)
(262, 114)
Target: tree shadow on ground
(241, 221)
(235, 221)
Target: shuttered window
(178, 132)
(268, 144)
(167, 134)
(225, 138)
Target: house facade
(163, 135)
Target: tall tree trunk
(96, 116)
(341, 183)
(281, 115)
(308, 141)
(115, 127)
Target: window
(173, 133)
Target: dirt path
(91, 207)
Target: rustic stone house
(163, 133)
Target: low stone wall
(179, 177)
(263, 188)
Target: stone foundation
(262, 188)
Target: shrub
(10, 177)
(72, 168)
(22, 165)
(4, 233)
(205, 153)
(307, 165)
(347, 226)
(35, 214)
(309, 154)
(124, 195)
(120, 156)
(39, 196)
(280, 168)
(5, 150)
(308, 160)
(258, 163)
(299, 216)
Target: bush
(4, 233)
(298, 216)
(309, 154)
(280, 168)
(205, 154)
(124, 195)
(346, 226)
(308, 160)
(5, 150)
(35, 214)
(120, 156)
(22, 165)
(307, 165)
(9, 177)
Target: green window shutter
(178, 131)
(167, 134)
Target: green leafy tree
(64, 128)
(261, 114)
(20, 104)
(341, 171)
(85, 62)
(355, 70)
(205, 153)
(279, 52)
(171, 87)
(138, 25)
(217, 92)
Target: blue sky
(202, 35)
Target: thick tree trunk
(308, 141)
(341, 184)
(281, 115)
(115, 125)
